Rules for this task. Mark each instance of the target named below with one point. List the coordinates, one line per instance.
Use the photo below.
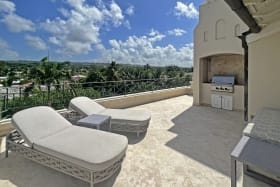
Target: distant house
(3, 79)
(77, 77)
(18, 72)
(27, 84)
(44, 88)
(16, 82)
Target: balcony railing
(59, 95)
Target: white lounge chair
(121, 119)
(44, 136)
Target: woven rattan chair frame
(74, 116)
(15, 143)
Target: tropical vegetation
(55, 83)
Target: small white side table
(94, 121)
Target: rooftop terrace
(185, 146)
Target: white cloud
(153, 32)
(115, 44)
(176, 32)
(130, 10)
(143, 50)
(14, 22)
(77, 32)
(116, 14)
(54, 40)
(76, 3)
(187, 10)
(36, 42)
(6, 52)
(76, 47)
(126, 23)
(64, 12)
(156, 35)
(7, 6)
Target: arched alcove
(222, 64)
(220, 31)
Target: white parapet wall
(5, 127)
(131, 100)
(123, 101)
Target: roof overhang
(240, 9)
(257, 14)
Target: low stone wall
(123, 101)
(131, 100)
(5, 127)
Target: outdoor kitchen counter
(259, 148)
(238, 95)
(265, 126)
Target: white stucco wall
(208, 40)
(264, 71)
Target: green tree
(47, 73)
(112, 72)
(147, 66)
(3, 68)
(95, 76)
(63, 71)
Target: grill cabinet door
(216, 101)
(227, 102)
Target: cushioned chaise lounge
(121, 119)
(44, 136)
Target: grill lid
(223, 80)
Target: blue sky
(155, 32)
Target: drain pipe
(245, 47)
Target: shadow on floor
(132, 137)
(207, 135)
(21, 172)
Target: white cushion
(89, 148)
(85, 106)
(128, 116)
(38, 122)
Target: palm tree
(112, 72)
(47, 73)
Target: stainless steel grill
(223, 83)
